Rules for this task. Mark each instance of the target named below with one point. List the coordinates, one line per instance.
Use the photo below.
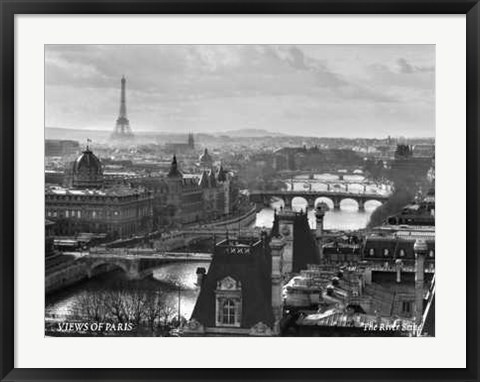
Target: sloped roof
(213, 180)
(204, 181)
(222, 174)
(253, 271)
(174, 171)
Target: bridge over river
(262, 198)
(136, 263)
(364, 185)
(340, 173)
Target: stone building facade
(87, 205)
(185, 198)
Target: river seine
(177, 280)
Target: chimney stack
(319, 216)
(201, 273)
(420, 248)
(398, 268)
(277, 245)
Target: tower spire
(123, 102)
(174, 171)
(122, 128)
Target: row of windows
(401, 253)
(90, 198)
(79, 214)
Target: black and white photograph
(239, 190)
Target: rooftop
(111, 191)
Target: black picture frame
(10, 8)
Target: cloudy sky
(314, 90)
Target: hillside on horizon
(104, 135)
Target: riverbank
(174, 284)
(174, 238)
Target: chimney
(398, 268)
(319, 216)
(368, 276)
(201, 273)
(420, 248)
(277, 245)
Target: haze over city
(309, 90)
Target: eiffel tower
(122, 128)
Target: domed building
(88, 205)
(87, 171)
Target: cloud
(407, 68)
(172, 86)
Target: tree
(134, 307)
(115, 305)
(146, 308)
(399, 199)
(167, 313)
(152, 311)
(90, 306)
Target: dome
(205, 158)
(88, 164)
(87, 171)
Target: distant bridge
(338, 185)
(262, 198)
(136, 263)
(341, 173)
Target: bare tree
(91, 307)
(134, 304)
(153, 308)
(149, 308)
(167, 313)
(115, 306)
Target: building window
(402, 253)
(431, 253)
(228, 312)
(94, 214)
(371, 252)
(228, 304)
(386, 252)
(406, 307)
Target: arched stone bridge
(185, 237)
(136, 263)
(341, 173)
(261, 198)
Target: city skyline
(287, 89)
